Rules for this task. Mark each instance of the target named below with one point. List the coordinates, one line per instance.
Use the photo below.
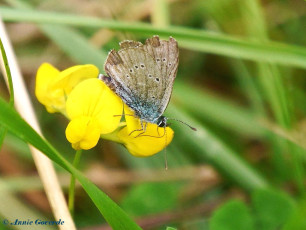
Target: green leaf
(170, 228)
(297, 220)
(71, 41)
(74, 44)
(3, 132)
(272, 208)
(112, 213)
(209, 146)
(151, 198)
(218, 110)
(8, 73)
(13, 207)
(234, 215)
(198, 40)
(10, 83)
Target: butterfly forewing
(129, 44)
(166, 55)
(143, 75)
(115, 69)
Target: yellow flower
(91, 102)
(147, 144)
(53, 87)
(95, 111)
(143, 144)
(83, 132)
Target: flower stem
(76, 161)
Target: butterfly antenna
(194, 129)
(166, 160)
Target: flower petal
(46, 73)
(53, 87)
(151, 142)
(94, 99)
(83, 133)
(70, 77)
(132, 122)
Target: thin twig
(44, 166)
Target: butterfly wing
(135, 77)
(166, 55)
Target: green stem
(8, 73)
(76, 162)
(3, 131)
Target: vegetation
(241, 83)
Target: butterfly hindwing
(166, 55)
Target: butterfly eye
(157, 79)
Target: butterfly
(142, 75)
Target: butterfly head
(162, 121)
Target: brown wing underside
(144, 73)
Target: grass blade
(68, 39)
(218, 110)
(12, 208)
(210, 147)
(113, 214)
(199, 40)
(3, 130)
(8, 73)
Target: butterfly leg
(132, 115)
(143, 128)
(165, 134)
(157, 131)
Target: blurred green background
(241, 82)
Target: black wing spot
(169, 64)
(164, 59)
(142, 65)
(150, 75)
(127, 76)
(157, 59)
(157, 79)
(136, 66)
(131, 70)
